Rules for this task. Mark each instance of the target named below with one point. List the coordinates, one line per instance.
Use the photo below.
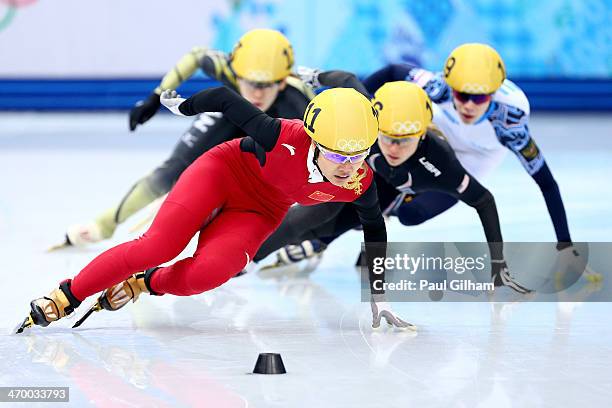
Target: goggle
(478, 99)
(261, 85)
(388, 140)
(341, 158)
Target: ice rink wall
(93, 55)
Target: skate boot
(119, 295)
(295, 253)
(80, 235)
(288, 260)
(290, 254)
(59, 303)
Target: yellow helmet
(475, 69)
(342, 120)
(404, 109)
(262, 55)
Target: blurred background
(105, 55)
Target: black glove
(144, 110)
(562, 245)
(249, 145)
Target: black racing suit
(433, 167)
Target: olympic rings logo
(259, 76)
(350, 145)
(406, 128)
(475, 88)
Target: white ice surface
(60, 169)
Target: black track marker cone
(269, 363)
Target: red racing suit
(233, 201)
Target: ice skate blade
(57, 247)
(27, 323)
(280, 271)
(95, 308)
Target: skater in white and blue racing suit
(483, 115)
